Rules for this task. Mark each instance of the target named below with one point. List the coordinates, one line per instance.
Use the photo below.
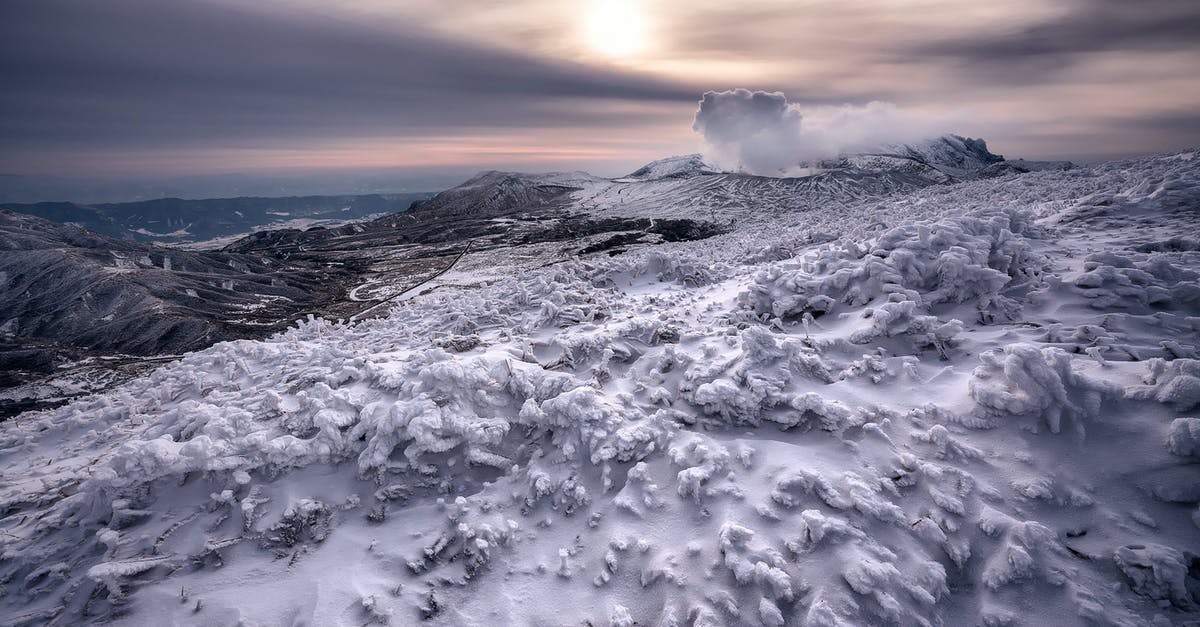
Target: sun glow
(616, 29)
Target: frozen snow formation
(974, 404)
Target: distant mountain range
(688, 187)
(939, 160)
(175, 220)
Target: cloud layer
(763, 133)
(187, 73)
(119, 87)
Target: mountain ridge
(173, 220)
(509, 220)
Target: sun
(615, 28)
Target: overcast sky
(128, 88)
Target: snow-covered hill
(962, 404)
(673, 167)
(687, 187)
(65, 284)
(950, 153)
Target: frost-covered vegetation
(972, 404)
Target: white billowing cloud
(763, 133)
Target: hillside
(177, 220)
(969, 403)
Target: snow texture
(966, 405)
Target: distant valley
(177, 220)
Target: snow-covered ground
(218, 243)
(975, 404)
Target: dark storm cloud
(1086, 28)
(149, 72)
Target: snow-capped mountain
(949, 153)
(943, 159)
(673, 167)
(961, 404)
(688, 187)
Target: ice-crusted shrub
(306, 519)
(947, 446)
(950, 492)
(900, 588)
(1030, 552)
(685, 270)
(599, 348)
(1183, 438)
(773, 252)
(701, 460)
(199, 436)
(112, 574)
(899, 317)
(471, 529)
(849, 491)
(1157, 571)
(619, 616)
(954, 260)
(443, 403)
(426, 403)
(1025, 552)
(760, 384)
(561, 296)
(475, 402)
(639, 493)
(545, 481)
(1175, 383)
(1027, 380)
(754, 563)
(1112, 281)
(664, 264)
(568, 297)
(815, 527)
(584, 416)
(880, 580)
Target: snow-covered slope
(686, 187)
(951, 153)
(63, 284)
(679, 194)
(673, 167)
(970, 404)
